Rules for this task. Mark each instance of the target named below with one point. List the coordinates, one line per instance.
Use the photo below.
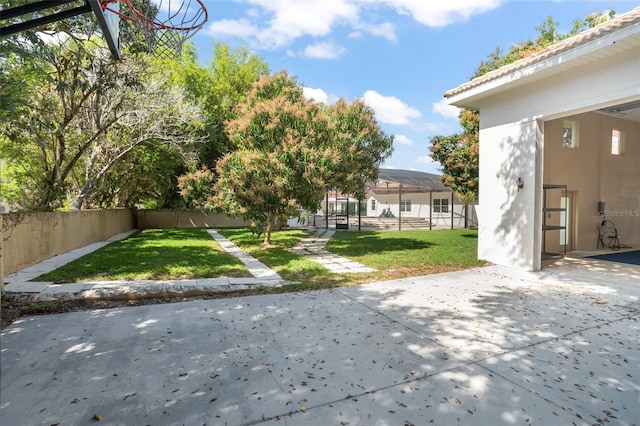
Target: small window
(569, 134)
(405, 205)
(441, 205)
(373, 205)
(617, 142)
(444, 206)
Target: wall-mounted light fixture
(519, 184)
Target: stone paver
(313, 247)
(257, 268)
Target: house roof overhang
(390, 181)
(607, 39)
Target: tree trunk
(466, 215)
(267, 232)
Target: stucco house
(559, 136)
(404, 194)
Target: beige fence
(161, 219)
(32, 238)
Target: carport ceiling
(628, 111)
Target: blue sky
(399, 56)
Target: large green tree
(84, 114)
(218, 89)
(290, 150)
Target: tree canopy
(80, 130)
(83, 114)
(291, 150)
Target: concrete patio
(484, 346)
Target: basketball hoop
(166, 24)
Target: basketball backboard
(164, 24)
(109, 22)
(40, 13)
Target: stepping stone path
(313, 248)
(258, 269)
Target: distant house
(403, 194)
(559, 145)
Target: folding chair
(608, 235)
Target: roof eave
(470, 94)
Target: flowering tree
(458, 155)
(291, 150)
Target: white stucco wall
(507, 222)
(420, 205)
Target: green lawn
(193, 253)
(412, 250)
(393, 254)
(153, 255)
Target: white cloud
(386, 30)
(273, 24)
(288, 20)
(240, 28)
(403, 140)
(441, 107)
(324, 50)
(390, 109)
(317, 95)
(439, 13)
(425, 159)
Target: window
(569, 134)
(617, 142)
(405, 205)
(373, 204)
(441, 205)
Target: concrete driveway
(483, 346)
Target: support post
(451, 209)
(326, 210)
(400, 207)
(430, 209)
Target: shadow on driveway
(482, 346)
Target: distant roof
(389, 180)
(631, 18)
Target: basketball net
(165, 24)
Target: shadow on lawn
(374, 243)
